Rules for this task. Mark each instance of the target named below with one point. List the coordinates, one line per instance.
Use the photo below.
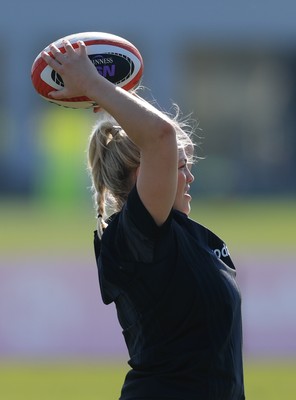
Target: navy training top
(178, 305)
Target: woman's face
(185, 177)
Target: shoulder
(190, 228)
(194, 235)
(132, 233)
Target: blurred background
(231, 65)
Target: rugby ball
(115, 58)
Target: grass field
(269, 380)
(259, 225)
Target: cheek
(181, 179)
(181, 185)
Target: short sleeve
(138, 231)
(132, 246)
(141, 218)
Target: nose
(189, 176)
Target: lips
(187, 196)
(187, 188)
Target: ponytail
(112, 160)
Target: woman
(172, 280)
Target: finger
(68, 47)
(82, 47)
(57, 54)
(58, 94)
(52, 62)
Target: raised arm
(147, 127)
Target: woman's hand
(78, 73)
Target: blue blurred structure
(180, 42)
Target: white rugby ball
(115, 58)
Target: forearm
(140, 120)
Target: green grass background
(259, 225)
(268, 380)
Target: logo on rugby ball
(57, 78)
(114, 67)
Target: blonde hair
(113, 160)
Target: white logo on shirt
(224, 252)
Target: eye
(182, 164)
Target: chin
(185, 209)
(187, 212)
(183, 206)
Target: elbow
(167, 145)
(161, 137)
(167, 132)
